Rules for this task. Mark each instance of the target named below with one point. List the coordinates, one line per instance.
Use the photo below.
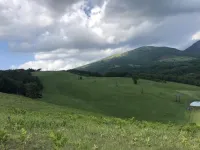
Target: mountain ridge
(141, 56)
(194, 47)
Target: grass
(95, 113)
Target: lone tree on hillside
(178, 97)
(142, 91)
(80, 78)
(135, 79)
(117, 84)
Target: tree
(32, 90)
(142, 91)
(1, 83)
(135, 79)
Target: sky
(63, 34)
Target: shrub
(3, 137)
(58, 139)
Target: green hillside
(136, 58)
(99, 113)
(143, 56)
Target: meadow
(100, 113)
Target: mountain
(135, 58)
(194, 49)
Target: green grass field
(100, 113)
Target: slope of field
(102, 95)
(98, 113)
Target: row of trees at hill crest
(21, 82)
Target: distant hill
(136, 58)
(195, 48)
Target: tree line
(85, 73)
(157, 74)
(21, 82)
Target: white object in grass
(195, 104)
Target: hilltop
(143, 56)
(195, 48)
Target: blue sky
(9, 58)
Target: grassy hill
(99, 113)
(139, 57)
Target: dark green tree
(135, 79)
(32, 90)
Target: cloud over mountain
(81, 31)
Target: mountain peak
(197, 43)
(194, 48)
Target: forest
(21, 82)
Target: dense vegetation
(96, 113)
(185, 72)
(20, 82)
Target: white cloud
(20, 19)
(47, 65)
(68, 33)
(62, 59)
(196, 36)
